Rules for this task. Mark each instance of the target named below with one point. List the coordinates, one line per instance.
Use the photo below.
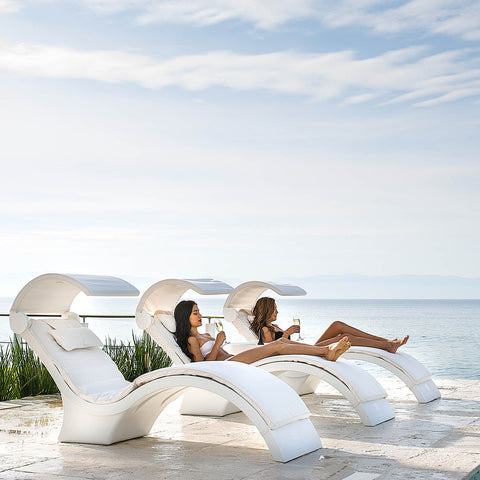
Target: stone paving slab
(439, 441)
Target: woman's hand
(220, 340)
(290, 330)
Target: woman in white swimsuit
(201, 347)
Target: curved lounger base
(303, 373)
(363, 392)
(134, 415)
(414, 374)
(84, 425)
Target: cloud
(9, 6)
(264, 14)
(397, 76)
(459, 18)
(356, 99)
(448, 17)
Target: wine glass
(219, 327)
(296, 321)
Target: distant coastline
(391, 287)
(335, 287)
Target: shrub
(22, 373)
(142, 356)
(6, 373)
(30, 376)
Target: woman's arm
(267, 335)
(290, 330)
(216, 347)
(194, 348)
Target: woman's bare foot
(337, 349)
(395, 344)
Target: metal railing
(85, 316)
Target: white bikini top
(207, 347)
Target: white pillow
(59, 323)
(73, 338)
(168, 321)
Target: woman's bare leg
(282, 347)
(338, 329)
(384, 344)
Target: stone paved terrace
(440, 440)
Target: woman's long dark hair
(262, 312)
(182, 313)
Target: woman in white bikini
(265, 314)
(201, 347)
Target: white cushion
(166, 340)
(242, 323)
(89, 372)
(58, 323)
(73, 338)
(168, 321)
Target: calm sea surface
(444, 334)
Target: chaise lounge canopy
(246, 294)
(55, 292)
(164, 295)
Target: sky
(254, 140)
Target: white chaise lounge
(413, 373)
(301, 372)
(101, 407)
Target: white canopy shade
(164, 295)
(55, 292)
(246, 294)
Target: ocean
(444, 334)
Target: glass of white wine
(296, 321)
(219, 327)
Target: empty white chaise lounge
(413, 373)
(302, 372)
(101, 407)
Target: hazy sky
(249, 139)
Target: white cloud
(356, 99)
(113, 6)
(264, 14)
(403, 74)
(449, 17)
(9, 6)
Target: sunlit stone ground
(440, 440)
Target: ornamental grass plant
(22, 373)
(30, 376)
(6, 373)
(141, 356)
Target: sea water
(444, 334)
